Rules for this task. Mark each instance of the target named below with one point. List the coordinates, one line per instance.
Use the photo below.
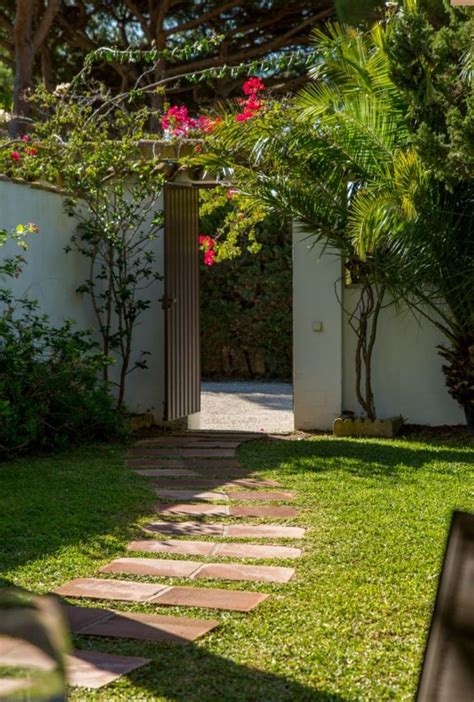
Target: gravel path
(247, 406)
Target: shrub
(50, 393)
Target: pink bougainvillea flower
(31, 151)
(206, 242)
(253, 86)
(25, 138)
(230, 194)
(208, 124)
(198, 149)
(178, 121)
(209, 257)
(252, 104)
(15, 156)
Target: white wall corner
(317, 333)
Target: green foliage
(246, 304)
(345, 159)
(50, 394)
(351, 625)
(90, 146)
(432, 66)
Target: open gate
(181, 302)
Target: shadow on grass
(82, 498)
(358, 457)
(191, 673)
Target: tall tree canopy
(48, 39)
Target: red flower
(31, 151)
(206, 242)
(198, 149)
(209, 257)
(178, 120)
(15, 155)
(25, 138)
(230, 193)
(253, 86)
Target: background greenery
(246, 307)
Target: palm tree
(339, 159)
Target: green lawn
(350, 626)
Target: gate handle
(167, 302)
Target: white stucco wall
(51, 276)
(407, 376)
(317, 335)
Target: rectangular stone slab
(208, 466)
(266, 511)
(266, 574)
(102, 589)
(13, 686)
(182, 442)
(152, 566)
(239, 601)
(209, 548)
(180, 452)
(212, 598)
(217, 571)
(166, 473)
(214, 510)
(260, 495)
(193, 495)
(243, 531)
(145, 627)
(94, 669)
(163, 480)
(185, 529)
(181, 548)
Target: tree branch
(45, 24)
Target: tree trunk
(24, 58)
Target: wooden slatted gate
(181, 302)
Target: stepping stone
(264, 511)
(95, 588)
(226, 467)
(167, 473)
(109, 589)
(266, 574)
(264, 531)
(212, 598)
(132, 625)
(179, 452)
(11, 686)
(194, 495)
(217, 571)
(225, 511)
(262, 496)
(163, 481)
(179, 547)
(152, 566)
(243, 531)
(93, 669)
(214, 510)
(216, 496)
(208, 548)
(185, 529)
(191, 442)
(22, 654)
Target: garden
(356, 128)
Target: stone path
(201, 468)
